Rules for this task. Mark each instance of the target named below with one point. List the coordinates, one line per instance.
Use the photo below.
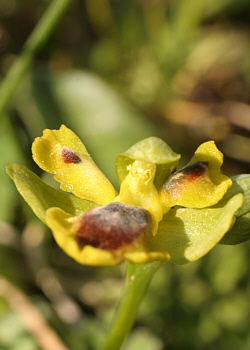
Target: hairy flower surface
(159, 213)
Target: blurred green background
(116, 72)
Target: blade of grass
(35, 42)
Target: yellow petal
(61, 152)
(200, 184)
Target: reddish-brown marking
(192, 171)
(112, 226)
(70, 156)
(187, 174)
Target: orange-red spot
(192, 171)
(70, 156)
(112, 226)
(188, 174)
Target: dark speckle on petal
(113, 226)
(70, 156)
(185, 175)
(194, 170)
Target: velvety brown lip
(70, 156)
(112, 226)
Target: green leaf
(151, 150)
(188, 234)
(240, 232)
(41, 196)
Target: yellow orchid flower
(160, 214)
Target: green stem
(137, 281)
(34, 43)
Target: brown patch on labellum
(112, 226)
(187, 174)
(70, 156)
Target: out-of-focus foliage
(116, 72)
